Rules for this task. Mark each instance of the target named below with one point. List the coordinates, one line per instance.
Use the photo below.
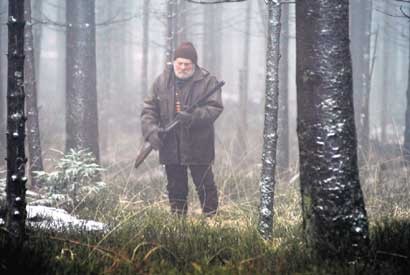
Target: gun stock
(142, 154)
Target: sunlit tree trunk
(81, 91)
(270, 137)
(334, 215)
(33, 137)
(16, 159)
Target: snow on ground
(58, 219)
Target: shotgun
(146, 147)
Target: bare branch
(404, 13)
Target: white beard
(185, 75)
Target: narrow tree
(171, 30)
(244, 87)
(361, 18)
(81, 89)
(145, 42)
(33, 137)
(334, 215)
(3, 15)
(283, 141)
(406, 145)
(16, 159)
(270, 137)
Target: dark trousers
(177, 187)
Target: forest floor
(144, 238)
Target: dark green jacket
(194, 144)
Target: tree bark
(270, 136)
(171, 31)
(283, 142)
(241, 151)
(3, 77)
(361, 18)
(334, 215)
(145, 49)
(406, 145)
(16, 159)
(33, 137)
(81, 89)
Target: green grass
(153, 241)
(144, 238)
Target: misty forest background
(131, 50)
(231, 43)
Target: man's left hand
(184, 118)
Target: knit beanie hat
(186, 50)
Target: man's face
(183, 68)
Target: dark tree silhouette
(3, 7)
(334, 215)
(16, 159)
(81, 88)
(33, 137)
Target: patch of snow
(58, 219)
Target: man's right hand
(155, 140)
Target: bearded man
(191, 145)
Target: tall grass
(144, 238)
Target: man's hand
(155, 140)
(184, 118)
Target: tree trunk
(182, 22)
(145, 53)
(241, 151)
(334, 215)
(81, 90)
(3, 77)
(283, 142)
(33, 138)
(361, 18)
(270, 137)
(16, 159)
(406, 145)
(38, 36)
(386, 89)
(171, 35)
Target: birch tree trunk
(270, 137)
(334, 215)
(81, 91)
(33, 137)
(16, 159)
